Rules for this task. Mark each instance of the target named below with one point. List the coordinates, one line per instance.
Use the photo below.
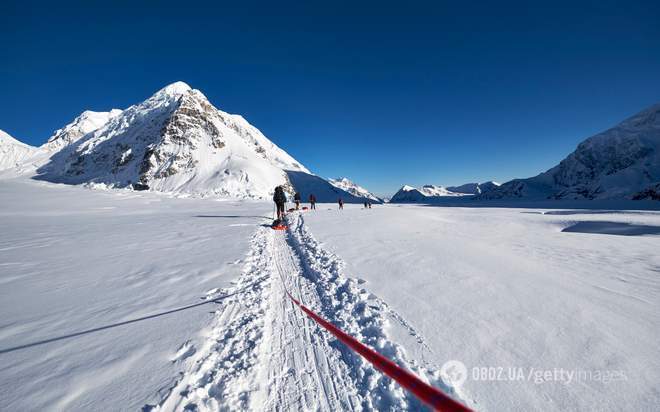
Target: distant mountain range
(177, 142)
(432, 193)
(620, 163)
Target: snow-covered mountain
(622, 162)
(87, 122)
(13, 152)
(474, 188)
(353, 188)
(178, 142)
(175, 141)
(323, 190)
(424, 194)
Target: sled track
(263, 353)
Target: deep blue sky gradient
(384, 93)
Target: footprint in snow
(185, 351)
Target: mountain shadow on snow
(612, 228)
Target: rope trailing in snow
(431, 396)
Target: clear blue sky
(384, 93)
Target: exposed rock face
(650, 193)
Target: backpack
(279, 196)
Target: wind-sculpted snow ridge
(175, 142)
(87, 122)
(263, 353)
(13, 152)
(622, 162)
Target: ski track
(264, 353)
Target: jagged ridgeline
(176, 142)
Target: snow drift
(622, 162)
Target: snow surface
(121, 300)
(497, 287)
(75, 264)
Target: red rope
(425, 392)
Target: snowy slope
(353, 188)
(474, 188)
(325, 192)
(88, 121)
(618, 163)
(13, 152)
(26, 159)
(175, 141)
(425, 194)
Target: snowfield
(506, 288)
(121, 300)
(76, 263)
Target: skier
(369, 203)
(312, 202)
(341, 203)
(365, 204)
(296, 198)
(279, 198)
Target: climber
(296, 199)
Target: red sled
(279, 225)
(305, 208)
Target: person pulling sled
(312, 202)
(280, 199)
